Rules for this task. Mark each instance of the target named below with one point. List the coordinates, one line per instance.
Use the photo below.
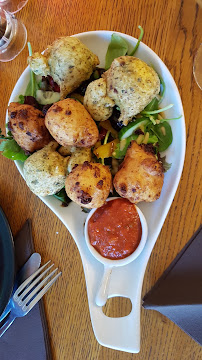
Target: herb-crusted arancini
(68, 61)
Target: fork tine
(35, 289)
(26, 282)
(31, 286)
(27, 308)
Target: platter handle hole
(117, 306)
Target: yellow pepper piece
(106, 150)
(107, 125)
(97, 144)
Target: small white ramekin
(102, 294)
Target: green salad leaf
(176, 118)
(21, 99)
(164, 134)
(8, 137)
(12, 150)
(85, 210)
(153, 105)
(62, 196)
(122, 147)
(157, 111)
(32, 86)
(138, 42)
(162, 85)
(162, 88)
(117, 47)
(152, 139)
(166, 165)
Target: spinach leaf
(162, 85)
(21, 99)
(8, 137)
(32, 86)
(117, 47)
(122, 146)
(152, 139)
(12, 150)
(164, 134)
(138, 42)
(62, 196)
(162, 88)
(85, 210)
(166, 165)
(153, 105)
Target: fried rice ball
(70, 124)
(96, 101)
(89, 184)
(140, 177)
(132, 84)
(45, 171)
(68, 61)
(27, 125)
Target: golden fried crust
(27, 126)
(89, 184)
(79, 156)
(140, 177)
(132, 84)
(70, 124)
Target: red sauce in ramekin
(115, 229)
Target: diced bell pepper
(106, 150)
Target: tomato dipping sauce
(115, 229)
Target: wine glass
(12, 6)
(13, 36)
(197, 67)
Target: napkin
(178, 292)
(27, 338)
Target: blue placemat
(27, 338)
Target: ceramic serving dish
(123, 333)
(109, 264)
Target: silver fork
(29, 293)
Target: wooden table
(173, 31)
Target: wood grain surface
(173, 31)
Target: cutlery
(31, 265)
(29, 293)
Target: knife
(31, 265)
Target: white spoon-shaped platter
(123, 333)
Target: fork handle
(7, 324)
